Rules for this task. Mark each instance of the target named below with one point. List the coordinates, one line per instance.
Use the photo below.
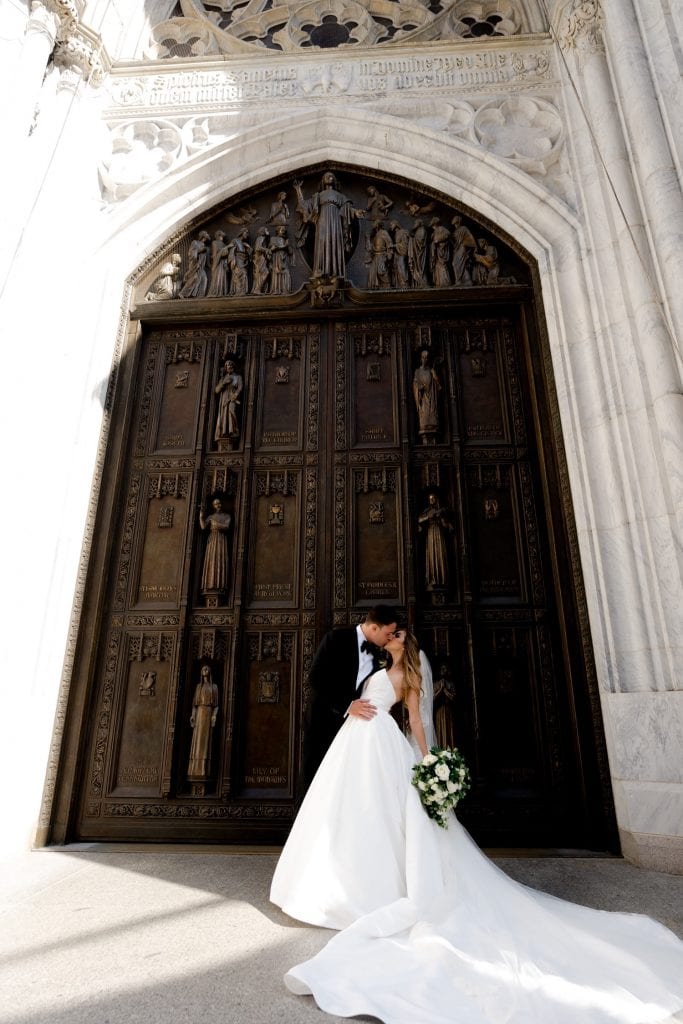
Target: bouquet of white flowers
(442, 778)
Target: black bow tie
(370, 647)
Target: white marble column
(651, 152)
(633, 451)
(41, 35)
(48, 21)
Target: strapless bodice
(379, 690)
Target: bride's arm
(416, 726)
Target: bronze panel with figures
(339, 396)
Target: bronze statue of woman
(203, 721)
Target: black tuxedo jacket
(332, 683)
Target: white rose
(422, 786)
(429, 759)
(442, 771)
(451, 786)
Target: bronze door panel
(280, 478)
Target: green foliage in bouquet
(442, 778)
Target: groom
(342, 663)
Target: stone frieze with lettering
(500, 99)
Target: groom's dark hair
(381, 615)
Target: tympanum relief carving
(320, 240)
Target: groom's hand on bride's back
(362, 708)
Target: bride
(430, 930)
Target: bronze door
(280, 478)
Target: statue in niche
(426, 388)
(463, 245)
(196, 280)
(486, 268)
(217, 555)
(282, 258)
(379, 252)
(165, 284)
(279, 211)
(261, 262)
(439, 253)
(401, 272)
(203, 721)
(417, 255)
(378, 205)
(239, 259)
(332, 215)
(444, 701)
(230, 386)
(219, 280)
(436, 520)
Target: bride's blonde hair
(412, 674)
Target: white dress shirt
(364, 658)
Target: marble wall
(566, 139)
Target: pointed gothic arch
(551, 244)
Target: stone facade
(557, 121)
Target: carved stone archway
(272, 465)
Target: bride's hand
(362, 708)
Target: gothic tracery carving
(226, 26)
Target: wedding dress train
(431, 931)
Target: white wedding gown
(431, 932)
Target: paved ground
(105, 934)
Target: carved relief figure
(203, 721)
(279, 211)
(463, 244)
(439, 254)
(196, 280)
(436, 520)
(426, 388)
(486, 268)
(417, 255)
(332, 214)
(378, 205)
(239, 259)
(220, 275)
(282, 257)
(261, 262)
(148, 684)
(379, 248)
(229, 388)
(217, 554)
(416, 209)
(401, 272)
(444, 699)
(164, 286)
